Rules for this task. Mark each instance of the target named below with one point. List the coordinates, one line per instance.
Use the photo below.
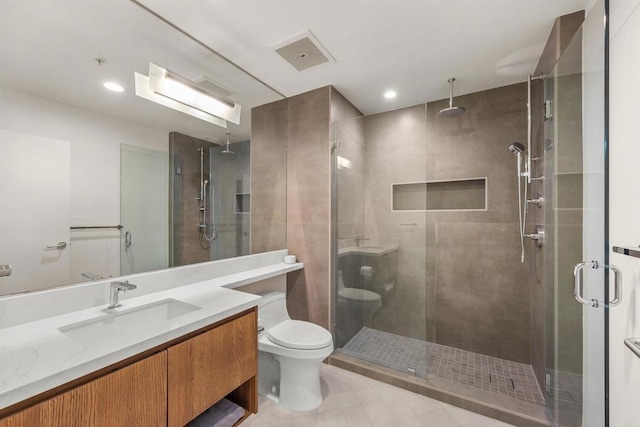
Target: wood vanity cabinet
(165, 386)
(208, 367)
(132, 396)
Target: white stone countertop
(37, 356)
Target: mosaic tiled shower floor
(504, 377)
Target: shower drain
(493, 377)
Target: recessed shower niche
(459, 194)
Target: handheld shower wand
(517, 149)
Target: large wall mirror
(96, 183)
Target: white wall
(95, 169)
(624, 205)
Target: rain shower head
(451, 111)
(226, 150)
(516, 148)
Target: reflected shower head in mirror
(226, 150)
(451, 111)
(516, 148)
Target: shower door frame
(595, 346)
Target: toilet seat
(296, 334)
(359, 295)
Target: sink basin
(116, 324)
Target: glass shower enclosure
(427, 278)
(209, 200)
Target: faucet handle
(123, 286)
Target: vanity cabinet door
(132, 396)
(206, 368)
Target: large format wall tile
(483, 292)
(269, 177)
(291, 180)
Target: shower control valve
(538, 200)
(537, 237)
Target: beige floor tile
(368, 397)
(263, 416)
(280, 414)
(357, 417)
(339, 401)
(465, 417)
(437, 418)
(489, 422)
(326, 419)
(351, 400)
(418, 403)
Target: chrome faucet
(116, 289)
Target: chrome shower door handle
(127, 239)
(60, 245)
(577, 285)
(617, 292)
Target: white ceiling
(47, 48)
(410, 46)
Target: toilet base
(299, 386)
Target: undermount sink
(118, 323)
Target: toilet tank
(272, 309)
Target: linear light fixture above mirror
(173, 91)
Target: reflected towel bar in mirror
(93, 227)
(634, 345)
(634, 252)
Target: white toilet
(359, 300)
(289, 356)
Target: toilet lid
(361, 295)
(300, 335)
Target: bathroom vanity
(162, 358)
(167, 385)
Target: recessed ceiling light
(115, 87)
(390, 94)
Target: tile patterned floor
(352, 400)
(504, 377)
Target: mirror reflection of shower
(226, 149)
(206, 225)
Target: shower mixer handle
(537, 237)
(538, 201)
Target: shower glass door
(380, 239)
(574, 159)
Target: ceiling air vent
(303, 52)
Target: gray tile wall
(396, 152)
(268, 218)
(483, 292)
(308, 204)
(291, 154)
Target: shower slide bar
(96, 227)
(530, 125)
